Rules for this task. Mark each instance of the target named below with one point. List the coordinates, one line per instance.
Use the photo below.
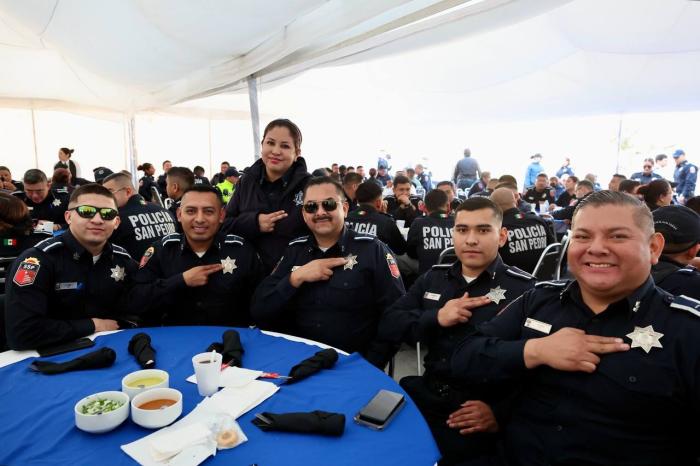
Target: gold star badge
(351, 262)
(229, 264)
(118, 273)
(645, 338)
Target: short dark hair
(693, 203)
(204, 188)
(198, 169)
(352, 177)
(507, 185)
(446, 183)
(435, 200)
(166, 161)
(541, 175)
(586, 183)
(34, 176)
(574, 178)
(90, 188)
(619, 175)
(293, 129)
(184, 175)
(319, 180)
(121, 178)
(67, 151)
(225, 162)
(508, 179)
(477, 203)
(627, 186)
(660, 157)
(367, 192)
(642, 214)
(372, 172)
(401, 179)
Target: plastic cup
(207, 370)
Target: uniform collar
(631, 303)
(77, 249)
(134, 201)
(341, 245)
(490, 271)
(438, 214)
(217, 243)
(367, 208)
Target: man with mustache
(333, 285)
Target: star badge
(351, 262)
(56, 202)
(229, 264)
(645, 338)
(118, 273)
(496, 294)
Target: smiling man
(443, 306)
(199, 277)
(605, 366)
(333, 285)
(72, 285)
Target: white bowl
(144, 374)
(99, 423)
(155, 418)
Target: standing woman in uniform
(147, 181)
(64, 161)
(266, 206)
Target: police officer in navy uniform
(442, 307)
(142, 223)
(147, 182)
(449, 188)
(528, 233)
(540, 193)
(402, 205)
(680, 227)
(647, 174)
(432, 234)
(352, 181)
(685, 176)
(331, 286)
(44, 204)
(72, 285)
(370, 218)
(605, 367)
(202, 276)
(162, 180)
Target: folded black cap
(678, 224)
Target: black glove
(140, 347)
(322, 360)
(231, 350)
(315, 422)
(103, 357)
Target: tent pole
(131, 149)
(36, 151)
(254, 114)
(211, 156)
(619, 145)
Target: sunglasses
(88, 211)
(329, 205)
(647, 166)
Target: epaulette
(365, 237)
(516, 272)
(558, 284)
(301, 239)
(171, 238)
(49, 243)
(687, 304)
(688, 269)
(116, 249)
(234, 239)
(441, 266)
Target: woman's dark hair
(14, 214)
(653, 191)
(144, 167)
(67, 151)
(60, 176)
(294, 131)
(628, 186)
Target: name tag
(67, 286)
(433, 296)
(539, 326)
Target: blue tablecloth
(37, 422)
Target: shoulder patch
(120, 250)
(552, 284)
(516, 272)
(171, 238)
(49, 243)
(27, 271)
(234, 239)
(684, 303)
(441, 266)
(300, 240)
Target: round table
(38, 421)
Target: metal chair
(548, 263)
(156, 196)
(447, 256)
(5, 263)
(562, 255)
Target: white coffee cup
(400, 223)
(207, 370)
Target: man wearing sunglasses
(202, 276)
(333, 285)
(143, 223)
(72, 285)
(647, 174)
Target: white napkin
(168, 444)
(233, 377)
(236, 401)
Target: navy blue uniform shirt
(142, 223)
(637, 408)
(342, 312)
(428, 237)
(367, 220)
(676, 278)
